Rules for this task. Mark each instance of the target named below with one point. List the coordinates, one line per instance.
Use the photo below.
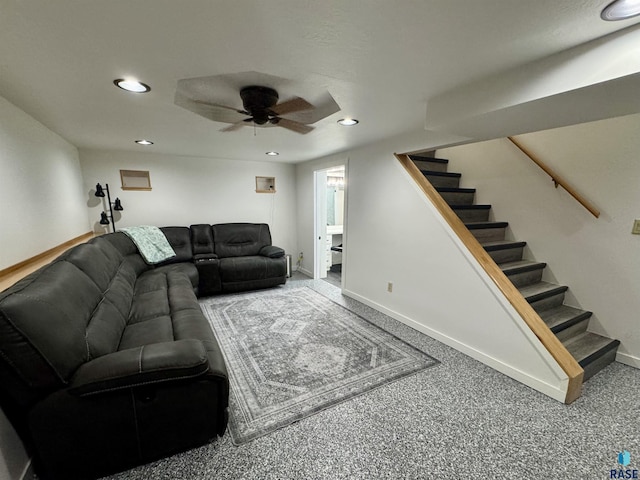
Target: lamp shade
(103, 219)
(99, 191)
(117, 205)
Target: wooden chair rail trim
(557, 350)
(52, 251)
(557, 179)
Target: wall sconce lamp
(115, 205)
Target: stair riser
(597, 365)
(489, 234)
(573, 330)
(549, 302)
(439, 181)
(458, 198)
(507, 254)
(433, 166)
(526, 278)
(473, 215)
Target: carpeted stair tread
(441, 179)
(483, 225)
(502, 245)
(429, 163)
(434, 173)
(504, 250)
(472, 213)
(456, 190)
(470, 207)
(563, 317)
(519, 266)
(588, 346)
(541, 290)
(456, 195)
(428, 159)
(522, 272)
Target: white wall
(592, 81)
(41, 199)
(421, 139)
(394, 234)
(188, 190)
(41, 206)
(597, 258)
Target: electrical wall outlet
(636, 227)
(390, 287)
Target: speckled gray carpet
(292, 353)
(460, 420)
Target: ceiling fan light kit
(261, 106)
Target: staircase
(593, 352)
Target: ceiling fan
(261, 106)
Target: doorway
(329, 223)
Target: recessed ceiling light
(144, 142)
(131, 85)
(272, 154)
(621, 10)
(347, 122)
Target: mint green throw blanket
(151, 243)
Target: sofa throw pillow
(151, 242)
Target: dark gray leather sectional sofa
(107, 362)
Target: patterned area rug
(293, 352)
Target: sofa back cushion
(201, 239)
(240, 239)
(66, 313)
(180, 240)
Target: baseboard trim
(52, 251)
(556, 392)
(627, 359)
(305, 271)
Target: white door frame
(320, 220)
(319, 224)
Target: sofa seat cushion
(188, 268)
(153, 330)
(254, 267)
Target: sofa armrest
(271, 251)
(155, 363)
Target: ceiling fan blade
(293, 125)
(235, 126)
(296, 104)
(217, 105)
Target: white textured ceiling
(381, 60)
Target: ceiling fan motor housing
(257, 101)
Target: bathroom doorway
(329, 223)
